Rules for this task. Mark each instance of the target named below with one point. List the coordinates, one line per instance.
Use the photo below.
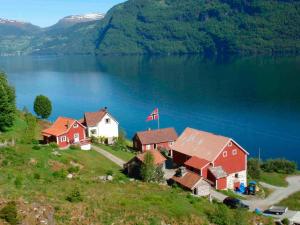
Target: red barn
(65, 131)
(217, 158)
(154, 139)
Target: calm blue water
(255, 101)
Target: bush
(42, 106)
(36, 147)
(279, 166)
(74, 196)
(18, 182)
(9, 213)
(254, 169)
(73, 169)
(37, 176)
(285, 221)
(60, 174)
(109, 172)
(75, 147)
(53, 145)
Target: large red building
(154, 139)
(216, 158)
(64, 132)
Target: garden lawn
(292, 202)
(276, 179)
(126, 156)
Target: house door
(76, 138)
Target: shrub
(254, 169)
(60, 174)
(220, 216)
(285, 221)
(36, 147)
(74, 196)
(279, 166)
(9, 213)
(73, 169)
(18, 182)
(36, 176)
(109, 172)
(53, 145)
(74, 147)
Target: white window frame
(224, 154)
(172, 142)
(234, 152)
(148, 147)
(76, 135)
(63, 139)
(229, 144)
(75, 125)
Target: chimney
(181, 171)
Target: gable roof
(60, 126)
(93, 118)
(218, 172)
(157, 136)
(188, 180)
(196, 162)
(158, 157)
(202, 144)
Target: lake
(256, 101)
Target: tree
(7, 103)
(42, 106)
(254, 169)
(148, 168)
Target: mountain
(14, 27)
(75, 19)
(214, 27)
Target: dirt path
(278, 194)
(108, 155)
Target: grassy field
(126, 156)
(32, 175)
(293, 202)
(275, 179)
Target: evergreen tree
(7, 103)
(42, 106)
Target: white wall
(231, 179)
(105, 130)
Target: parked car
(277, 210)
(235, 203)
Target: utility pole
(259, 154)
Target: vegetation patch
(292, 202)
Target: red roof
(157, 136)
(158, 157)
(59, 127)
(196, 162)
(93, 118)
(188, 180)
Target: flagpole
(158, 122)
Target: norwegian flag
(153, 116)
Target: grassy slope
(29, 175)
(275, 179)
(126, 156)
(293, 202)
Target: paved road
(108, 155)
(276, 196)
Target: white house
(101, 124)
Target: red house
(65, 131)
(216, 158)
(154, 139)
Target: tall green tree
(7, 103)
(148, 168)
(42, 106)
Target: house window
(63, 139)
(229, 144)
(93, 131)
(236, 175)
(75, 125)
(148, 147)
(172, 142)
(107, 120)
(234, 152)
(225, 154)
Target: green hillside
(200, 26)
(215, 27)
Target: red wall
(138, 145)
(221, 183)
(232, 163)
(70, 135)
